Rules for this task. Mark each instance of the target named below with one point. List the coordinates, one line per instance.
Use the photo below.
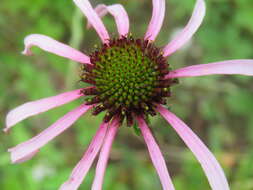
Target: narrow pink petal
(93, 18)
(119, 13)
(27, 157)
(121, 18)
(190, 29)
(241, 67)
(48, 44)
(26, 149)
(156, 155)
(32, 108)
(156, 20)
(104, 155)
(101, 10)
(83, 166)
(210, 165)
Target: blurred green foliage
(218, 108)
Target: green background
(218, 108)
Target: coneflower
(130, 79)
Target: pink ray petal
(104, 155)
(156, 20)
(119, 13)
(101, 10)
(27, 157)
(27, 149)
(48, 44)
(240, 66)
(93, 18)
(32, 108)
(156, 155)
(210, 165)
(83, 166)
(189, 30)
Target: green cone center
(125, 75)
(127, 78)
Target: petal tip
(6, 129)
(17, 159)
(9, 122)
(27, 52)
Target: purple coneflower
(130, 80)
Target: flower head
(129, 79)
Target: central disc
(125, 76)
(128, 78)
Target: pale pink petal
(83, 166)
(93, 18)
(156, 20)
(189, 30)
(48, 44)
(101, 11)
(104, 155)
(27, 157)
(241, 67)
(119, 13)
(121, 18)
(32, 108)
(210, 165)
(156, 155)
(26, 149)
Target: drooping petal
(27, 149)
(49, 44)
(156, 155)
(32, 108)
(83, 166)
(210, 165)
(240, 66)
(156, 21)
(93, 18)
(119, 13)
(104, 155)
(185, 35)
